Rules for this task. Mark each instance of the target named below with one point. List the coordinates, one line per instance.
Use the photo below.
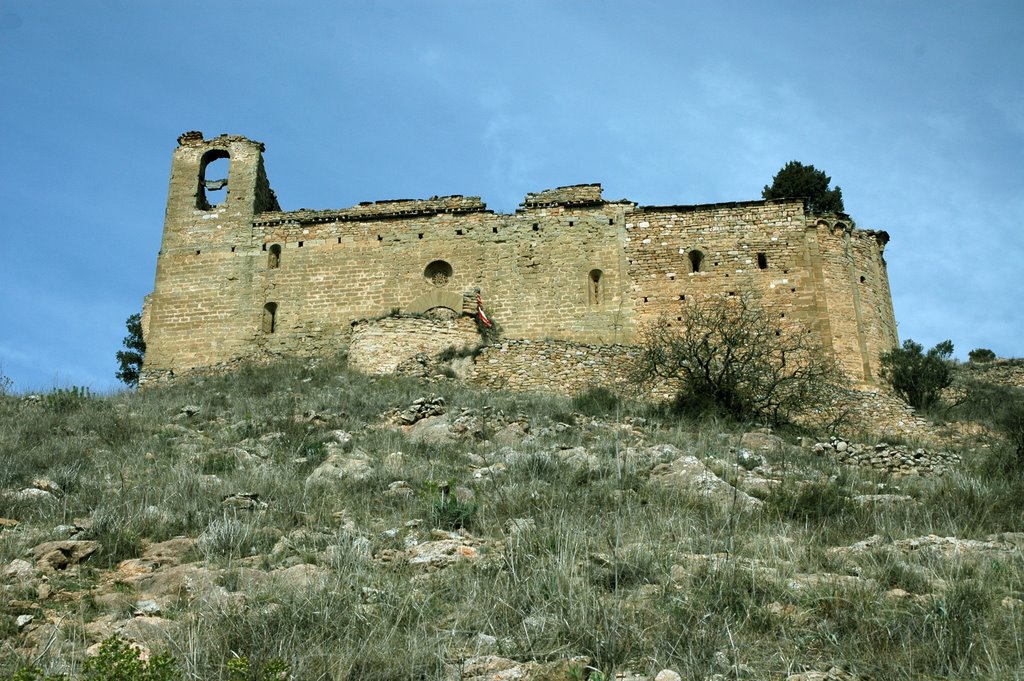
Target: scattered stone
(338, 466)
(60, 555)
(399, 488)
(441, 553)
(33, 494)
(518, 526)
(23, 621)
(244, 501)
(20, 570)
(833, 674)
(762, 441)
(667, 675)
(146, 608)
(188, 411)
(687, 472)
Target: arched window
(269, 317)
(213, 178)
(696, 259)
(594, 292)
(274, 256)
(438, 273)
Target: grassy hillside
(304, 518)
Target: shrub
(916, 376)
(795, 179)
(130, 358)
(981, 355)
(596, 401)
(117, 660)
(729, 357)
(1002, 408)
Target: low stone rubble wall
(561, 367)
(895, 459)
(379, 346)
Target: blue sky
(916, 109)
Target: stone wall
(244, 277)
(379, 346)
(553, 366)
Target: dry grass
(591, 575)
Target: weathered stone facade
(243, 278)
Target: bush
(981, 355)
(795, 179)
(117, 660)
(728, 357)
(130, 359)
(918, 377)
(596, 401)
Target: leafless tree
(729, 355)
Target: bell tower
(217, 186)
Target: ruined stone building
(567, 276)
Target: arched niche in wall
(274, 256)
(696, 259)
(213, 178)
(595, 286)
(269, 321)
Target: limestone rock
(60, 555)
(759, 441)
(339, 466)
(687, 472)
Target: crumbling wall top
(572, 195)
(194, 138)
(377, 210)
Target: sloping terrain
(304, 517)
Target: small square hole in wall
(785, 271)
(536, 227)
(672, 277)
(792, 290)
(782, 316)
(300, 244)
(611, 221)
(380, 238)
(197, 252)
(682, 297)
(264, 247)
(458, 232)
(726, 274)
(679, 319)
(645, 299)
(778, 333)
(732, 293)
(419, 236)
(571, 223)
(339, 239)
(233, 250)
(494, 230)
(862, 279)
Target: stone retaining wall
(379, 346)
